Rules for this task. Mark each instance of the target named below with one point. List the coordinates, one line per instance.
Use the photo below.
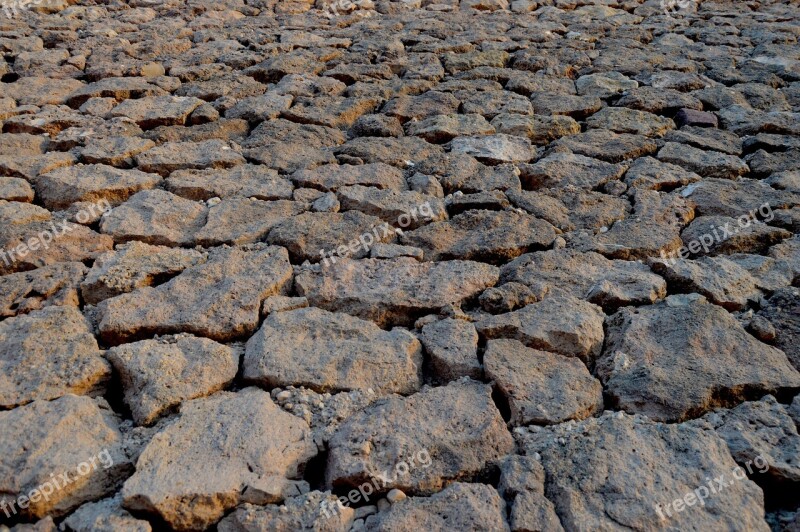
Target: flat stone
(181, 476)
(608, 146)
(219, 299)
(95, 182)
(707, 235)
(115, 151)
(328, 351)
(331, 111)
(782, 312)
(150, 112)
(650, 173)
(53, 285)
(118, 88)
(658, 101)
(623, 120)
(541, 387)
(577, 107)
(604, 85)
(47, 354)
(482, 235)
(608, 283)
(560, 170)
(15, 189)
(49, 437)
(704, 163)
(560, 324)
(158, 375)
(489, 104)
(571, 208)
(173, 156)
(244, 220)
(106, 515)
(723, 197)
(407, 209)
(658, 360)
(395, 152)
(395, 292)
(589, 481)
(707, 139)
(257, 109)
(444, 128)
(243, 181)
(458, 424)
(452, 346)
(155, 217)
(463, 173)
(333, 177)
(494, 149)
(541, 130)
(695, 118)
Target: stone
(15, 189)
(457, 425)
(560, 324)
(623, 120)
(482, 235)
(119, 88)
(704, 163)
(539, 129)
(572, 208)
(707, 139)
(717, 235)
(343, 353)
(59, 437)
(182, 478)
(494, 149)
(395, 152)
(489, 104)
(391, 251)
(439, 129)
(134, 265)
(91, 183)
(393, 292)
(590, 482)
(452, 346)
(560, 170)
(723, 197)
(312, 511)
(243, 181)
(604, 85)
(377, 125)
(115, 151)
(151, 112)
(173, 156)
(333, 177)
(522, 483)
(244, 220)
(577, 107)
(657, 360)
(106, 515)
(693, 117)
(781, 310)
(510, 296)
(158, 375)
(257, 109)
(155, 217)
(461, 505)
(541, 387)
(650, 173)
(54, 285)
(47, 354)
(607, 145)
(406, 209)
(219, 299)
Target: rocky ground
(399, 265)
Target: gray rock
(312, 511)
(452, 346)
(704, 163)
(104, 516)
(495, 149)
(560, 170)
(332, 177)
(54, 285)
(244, 181)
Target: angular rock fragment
(91, 183)
(650, 173)
(452, 346)
(219, 299)
(522, 482)
(329, 351)
(622, 120)
(395, 152)
(158, 375)
(151, 112)
(444, 128)
(47, 354)
(680, 358)
(173, 156)
(312, 511)
(561, 170)
(723, 197)
(707, 139)
(183, 479)
(704, 163)
(457, 426)
(541, 387)
(393, 292)
(244, 220)
(244, 181)
(53, 285)
(539, 129)
(333, 177)
(608, 146)
(783, 312)
(494, 149)
(715, 235)
(104, 516)
(407, 209)
(577, 107)
(15, 189)
(571, 208)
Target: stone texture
(92, 183)
(452, 346)
(244, 181)
(305, 512)
(54, 285)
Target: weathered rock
(432, 103)
(782, 312)
(715, 235)
(707, 139)
(395, 152)
(541, 387)
(312, 511)
(73, 436)
(539, 129)
(457, 425)
(494, 149)
(182, 477)
(604, 85)
(561, 324)
(622, 120)
(522, 482)
(722, 197)
(704, 163)
(461, 506)
(244, 220)
(15, 189)
(92, 183)
(407, 209)
(444, 128)
(487, 236)
(607, 145)
(257, 109)
(219, 299)
(577, 107)
(150, 112)
(115, 151)
(47, 354)
(333, 177)
(54, 285)
(452, 346)
(650, 173)
(677, 359)
(104, 516)
(571, 208)
(342, 353)
(244, 181)
(589, 480)
(560, 170)
(158, 375)
(134, 265)
(393, 292)
(173, 156)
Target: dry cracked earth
(399, 265)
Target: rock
(104, 516)
(54, 285)
(118, 88)
(257, 109)
(715, 235)
(588, 478)
(510, 296)
(489, 104)
(115, 151)
(457, 426)
(151, 112)
(608, 283)
(495, 200)
(155, 217)
(47, 354)
(15, 189)
(428, 185)
(782, 312)
(762, 438)
(312, 511)
(393, 292)
(432, 103)
(704, 163)
(72, 436)
(391, 251)
(560, 170)
(244, 181)
(693, 117)
(608, 146)
(134, 265)
(650, 173)
(541, 387)
(604, 85)
(92, 183)
(444, 128)
(494, 149)
(452, 346)
(460, 505)
(522, 482)
(333, 177)
(406, 209)
(707, 139)
(158, 375)
(623, 120)
(342, 353)
(571, 208)
(658, 101)
(173, 156)
(561, 324)
(219, 299)
(395, 152)
(327, 237)
(244, 220)
(377, 126)
(539, 129)
(577, 107)
(182, 477)
(657, 361)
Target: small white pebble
(395, 495)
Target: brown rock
(54, 285)
(173, 156)
(244, 181)
(312, 511)
(452, 346)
